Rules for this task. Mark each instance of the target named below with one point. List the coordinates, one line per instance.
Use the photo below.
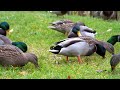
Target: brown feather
(12, 55)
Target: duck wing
(90, 31)
(69, 41)
(9, 53)
(109, 47)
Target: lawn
(31, 27)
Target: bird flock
(14, 53)
(80, 41)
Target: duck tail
(55, 49)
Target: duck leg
(79, 59)
(67, 58)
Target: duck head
(76, 30)
(114, 39)
(5, 27)
(21, 45)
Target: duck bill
(78, 33)
(9, 31)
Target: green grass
(31, 28)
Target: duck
(114, 60)
(63, 26)
(79, 46)
(109, 15)
(85, 31)
(5, 28)
(59, 13)
(79, 30)
(11, 55)
(4, 31)
(21, 45)
(112, 40)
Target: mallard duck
(12, 55)
(63, 26)
(115, 59)
(112, 40)
(5, 40)
(59, 13)
(79, 46)
(85, 31)
(78, 30)
(5, 28)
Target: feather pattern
(12, 55)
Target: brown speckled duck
(115, 59)
(12, 55)
(63, 26)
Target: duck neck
(32, 58)
(113, 40)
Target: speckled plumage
(63, 26)
(115, 59)
(12, 55)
